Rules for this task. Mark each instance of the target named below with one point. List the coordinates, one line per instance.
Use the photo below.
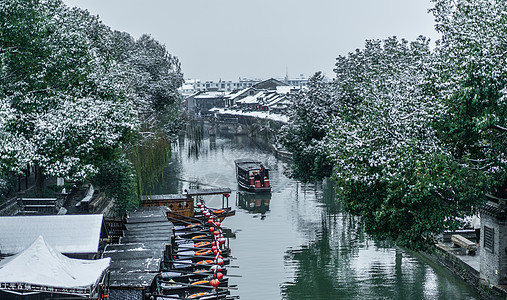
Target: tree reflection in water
(342, 262)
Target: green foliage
(303, 135)
(74, 94)
(149, 158)
(7, 185)
(420, 137)
(473, 86)
(415, 137)
(118, 182)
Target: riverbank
(466, 267)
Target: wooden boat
(181, 206)
(252, 176)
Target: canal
(297, 243)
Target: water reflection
(254, 203)
(341, 262)
(305, 247)
(194, 137)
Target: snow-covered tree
(473, 86)
(157, 78)
(420, 136)
(303, 136)
(383, 145)
(69, 96)
(67, 104)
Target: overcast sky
(227, 39)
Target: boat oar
(197, 264)
(198, 239)
(183, 216)
(180, 247)
(203, 256)
(205, 273)
(202, 286)
(218, 296)
(203, 265)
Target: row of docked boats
(198, 260)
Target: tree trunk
(39, 181)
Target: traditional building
(269, 84)
(493, 248)
(200, 103)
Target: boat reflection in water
(254, 202)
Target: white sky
(227, 39)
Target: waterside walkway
(467, 267)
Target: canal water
(297, 243)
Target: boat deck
(248, 164)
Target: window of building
(489, 239)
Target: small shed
(77, 236)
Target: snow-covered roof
(137, 258)
(210, 95)
(251, 99)
(282, 89)
(66, 233)
(234, 95)
(40, 266)
(256, 114)
(278, 100)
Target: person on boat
(257, 176)
(262, 174)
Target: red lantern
(217, 224)
(210, 221)
(218, 275)
(216, 232)
(219, 261)
(221, 241)
(214, 248)
(211, 229)
(214, 283)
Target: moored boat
(252, 176)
